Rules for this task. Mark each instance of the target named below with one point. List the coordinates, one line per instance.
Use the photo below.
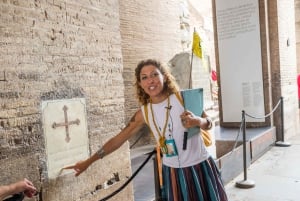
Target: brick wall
(59, 50)
(283, 64)
(297, 21)
(287, 43)
(297, 27)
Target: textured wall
(60, 50)
(149, 29)
(297, 21)
(283, 64)
(288, 62)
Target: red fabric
(298, 86)
(214, 75)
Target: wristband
(101, 153)
(209, 123)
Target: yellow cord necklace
(162, 138)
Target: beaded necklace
(162, 138)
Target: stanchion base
(245, 184)
(282, 144)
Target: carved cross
(66, 124)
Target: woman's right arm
(132, 128)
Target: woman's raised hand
(79, 167)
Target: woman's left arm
(209, 122)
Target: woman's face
(152, 81)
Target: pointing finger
(69, 167)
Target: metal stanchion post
(282, 143)
(244, 183)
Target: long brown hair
(170, 85)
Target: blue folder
(193, 101)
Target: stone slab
(65, 132)
(230, 159)
(262, 143)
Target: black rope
(136, 141)
(241, 126)
(130, 178)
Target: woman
(189, 174)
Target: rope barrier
(237, 137)
(248, 183)
(254, 117)
(267, 115)
(129, 179)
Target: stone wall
(59, 50)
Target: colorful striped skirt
(201, 182)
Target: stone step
(229, 160)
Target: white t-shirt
(195, 150)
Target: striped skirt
(201, 182)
